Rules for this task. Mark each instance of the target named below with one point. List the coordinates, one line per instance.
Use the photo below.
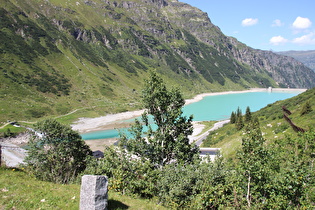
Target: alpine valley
(59, 56)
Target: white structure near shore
(211, 152)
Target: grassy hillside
(20, 191)
(272, 123)
(51, 67)
(57, 57)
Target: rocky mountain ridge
(57, 57)
(307, 57)
(198, 24)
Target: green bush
(127, 174)
(56, 153)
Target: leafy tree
(56, 153)
(295, 181)
(169, 141)
(126, 174)
(254, 166)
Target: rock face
(284, 70)
(306, 57)
(172, 21)
(94, 193)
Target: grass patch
(20, 191)
(11, 130)
(227, 138)
(208, 125)
(70, 118)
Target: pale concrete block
(94, 192)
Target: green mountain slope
(273, 124)
(59, 56)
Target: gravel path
(12, 155)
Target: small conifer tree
(248, 115)
(307, 108)
(233, 118)
(239, 119)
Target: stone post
(0, 154)
(93, 195)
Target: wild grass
(208, 125)
(18, 190)
(10, 130)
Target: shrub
(56, 153)
(127, 174)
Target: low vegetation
(56, 153)
(258, 172)
(272, 122)
(10, 130)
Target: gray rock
(94, 192)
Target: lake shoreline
(115, 121)
(201, 96)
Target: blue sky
(277, 25)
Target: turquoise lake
(217, 107)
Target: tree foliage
(56, 153)
(169, 141)
(254, 168)
(278, 175)
(267, 173)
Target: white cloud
(277, 23)
(301, 23)
(249, 22)
(305, 40)
(277, 40)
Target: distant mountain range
(60, 56)
(306, 57)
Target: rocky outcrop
(286, 71)
(169, 21)
(306, 57)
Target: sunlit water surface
(217, 107)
